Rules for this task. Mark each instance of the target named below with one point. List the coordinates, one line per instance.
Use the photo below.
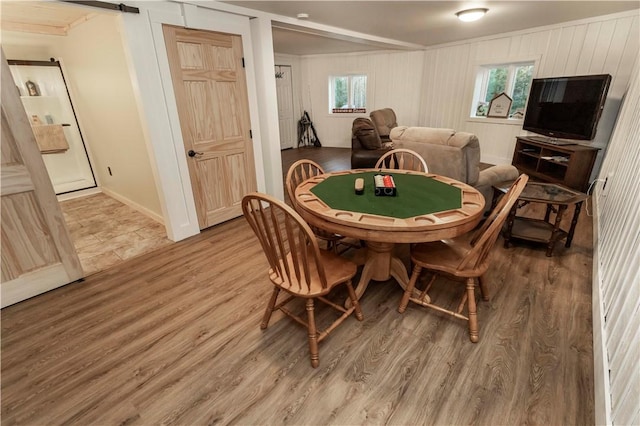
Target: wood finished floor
(173, 337)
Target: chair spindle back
(300, 171)
(282, 232)
(486, 236)
(402, 159)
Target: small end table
(557, 198)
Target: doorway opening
(114, 211)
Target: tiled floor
(106, 231)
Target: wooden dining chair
(402, 159)
(300, 171)
(463, 258)
(298, 266)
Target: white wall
(99, 75)
(434, 88)
(26, 46)
(394, 80)
(616, 278)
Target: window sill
(347, 114)
(503, 121)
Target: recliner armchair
(384, 120)
(366, 145)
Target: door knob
(192, 153)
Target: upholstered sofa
(453, 154)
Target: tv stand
(568, 165)
(552, 141)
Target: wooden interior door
(211, 94)
(284, 90)
(37, 251)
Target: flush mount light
(471, 14)
(302, 16)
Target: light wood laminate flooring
(173, 337)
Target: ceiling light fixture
(471, 14)
(302, 16)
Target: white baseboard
(145, 211)
(601, 379)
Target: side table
(557, 198)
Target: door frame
(144, 40)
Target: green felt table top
(415, 195)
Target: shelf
(50, 138)
(557, 163)
(528, 162)
(531, 150)
(530, 154)
(535, 230)
(567, 165)
(553, 174)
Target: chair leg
(473, 316)
(483, 288)
(407, 292)
(354, 301)
(313, 335)
(269, 310)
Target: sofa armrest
(493, 175)
(496, 174)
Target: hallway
(106, 232)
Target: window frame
(481, 74)
(350, 94)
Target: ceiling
(42, 17)
(422, 23)
(370, 25)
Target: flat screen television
(566, 107)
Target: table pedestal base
(380, 265)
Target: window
(514, 79)
(348, 94)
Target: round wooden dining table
(426, 207)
